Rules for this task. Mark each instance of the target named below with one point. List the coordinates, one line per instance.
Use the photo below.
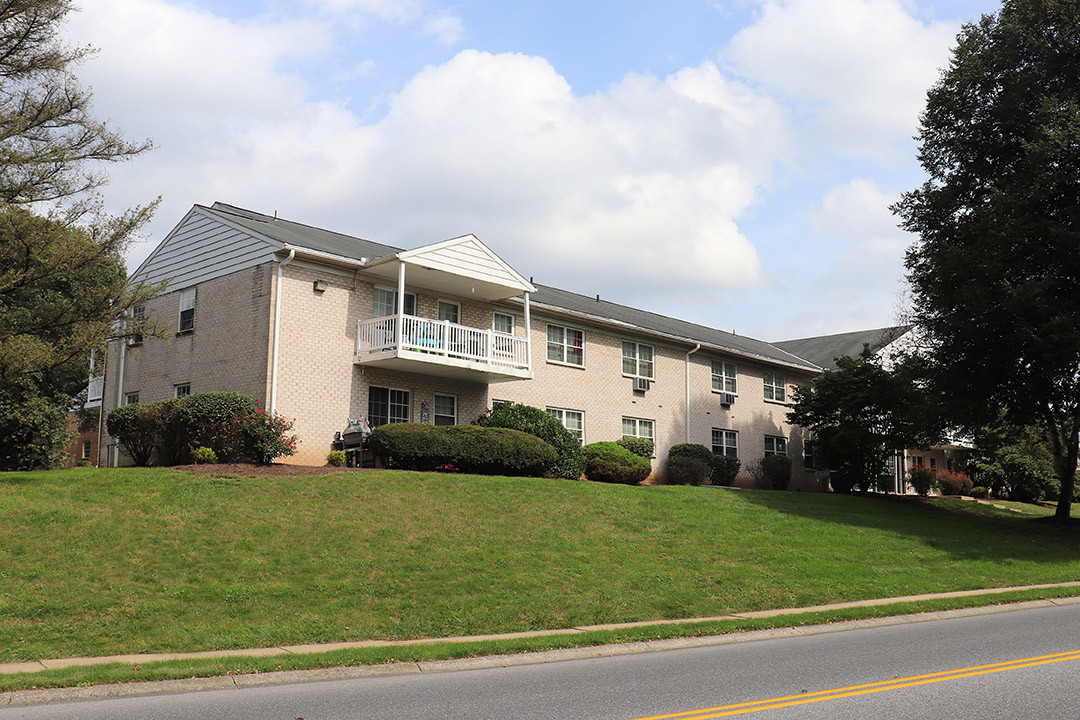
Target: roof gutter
(277, 329)
(696, 348)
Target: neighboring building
(84, 444)
(885, 343)
(324, 327)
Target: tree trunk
(1064, 441)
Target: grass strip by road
(84, 676)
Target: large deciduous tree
(995, 273)
(62, 278)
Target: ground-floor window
(86, 450)
(637, 427)
(182, 391)
(445, 409)
(387, 405)
(572, 420)
(775, 445)
(725, 442)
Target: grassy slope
(100, 562)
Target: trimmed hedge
(610, 462)
(687, 470)
(215, 420)
(725, 469)
(719, 469)
(534, 421)
(777, 471)
(469, 448)
(642, 447)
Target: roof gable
(469, 257)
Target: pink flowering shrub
(266, 436)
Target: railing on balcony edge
(443, 338)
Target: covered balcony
(462, 268)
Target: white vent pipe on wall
(277, 329)
(696, 348)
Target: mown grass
(100, 562)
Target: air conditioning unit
(727, 399)
(641, 384)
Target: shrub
(772, 472)
(264, 437)
(204, 456)
(497, 451)
(841, 482)
(953, 483)
(610, 462)
(216, 420)
(410, 446)
(686, 470)
(84, 464)
(922, 480)
(569, 463)
(33, 432)
(700, 452)
(138, 428)
(335, 458)
(979, 492)
(642, 447)
(724, 469)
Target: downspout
(101, 406)
(696, 348)
(528, 332)
(277, 329)
(119, 400)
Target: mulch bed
(254, 470)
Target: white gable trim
(428, 256)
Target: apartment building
(324, 327)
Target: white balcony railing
(442, 338)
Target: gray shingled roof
(305, 236)
(299, 235)
(824, 349)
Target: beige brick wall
(227, 350)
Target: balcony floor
(442, 366)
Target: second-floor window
(138, 315)
(725, 377)
(131, 398)
(503, 322)
(565, 345)
(636, 427)
(637, 359)
(775, 387)
(385, 303)
(187, 310)
(182, 391)
(572, 420)
(450, 311)
(775, 445)
(387, 405)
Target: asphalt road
(1022, 664)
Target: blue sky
(731, 163)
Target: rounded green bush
(686, 470)
(204, 456)
(643, 447)
(410, 446)
(724, 469)
(534, 421)
(335, 458)
(497, 451)
(609, 462)
(979, 492)
(922, 480)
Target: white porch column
(400, 304)
(528, 333)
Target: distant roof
(305, 236)
(300, 235)
(824, 349)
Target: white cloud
(362, 69)
(859, 69)
(448, 29)
(633, 192)
(440, 24)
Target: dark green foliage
(686, 470)
(860, 414)
(335, 458)
(469, 448)
(1015, 462)
(138, 428)
(33, 434)
(980, 492)
(776, 470)
(570, 463)
(610, 462)
(922, 480)
(698, 452)
(724, 469)
(266, 436)
(643, 447)
(216, 420)
(995, 274)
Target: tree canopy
(995, 272)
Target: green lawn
(97, 562)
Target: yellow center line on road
(865, 689)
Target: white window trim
(637, 427)
(433, 406)
(444, 301)
(392, 290)
(193, 294)
(725, 430)
(774, 385)
(637, 359)
(562, 419)
(513, 322)
(713, 375)
(128, 396)
(176, 390)
(776, 437)
(389, 390)
(564, 345)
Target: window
(933, 463)
(565, 345)
(445, 409)
(810, 453)
(725, 442)
(387, 405)
(187, 310)
(86, 450)
(497, 403)
(182, 391)
(503, 323)
(636, 427)
(572, 420)
(131, 398)
(138, 315)
(724, 377)
(637, 359)
(450, 311)
(918, 461)
(386, 303)
(775, 445)
(775, 387)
